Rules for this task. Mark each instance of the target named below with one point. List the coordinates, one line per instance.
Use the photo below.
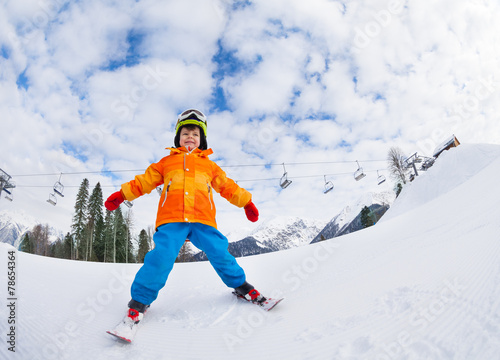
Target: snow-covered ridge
(14, 224)
(293, 231)
(451, 169)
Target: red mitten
(251, 212)
(114, 200)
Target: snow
(424, 283)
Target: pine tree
(95, 218)
(366, 219)
(143, 246)
(120, 237)
(99, 239)
(108, 249)
(184, 254)
(68, 247)
(26, 244)
(398, 189)
(80, 219)
(57, 249)
(129, 223)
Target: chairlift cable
(243, 180)
(222, 166)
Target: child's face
(190, 138)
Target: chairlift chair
(52, 199)
(380, 179)
(284, 182)
(9, 194)
(359, 174)
(328, 186)
(59, 187)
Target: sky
(316, 89)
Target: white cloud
(94, 85)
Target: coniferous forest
(96, 234)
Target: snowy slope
(422, 284)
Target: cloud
(91, 86)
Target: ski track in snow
(424, 283)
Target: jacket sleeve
(228, 189)
(144, 183)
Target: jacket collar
(183, 150)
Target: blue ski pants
(168, 239)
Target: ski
(267, 304)
(127, 328)
(127, 339)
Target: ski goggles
(193, 117)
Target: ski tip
(110, 332)
(272, 304)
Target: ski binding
(267, 304)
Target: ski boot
(127, 328)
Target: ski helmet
(192, 117)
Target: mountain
(349, 219)
(278, 233)
(424, 283)
(14, 224)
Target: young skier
(185, 211)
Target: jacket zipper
(166, 193)
(209, 197)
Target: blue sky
(97, 85)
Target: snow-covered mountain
(424, 283)
(278, 233)
(348, 220)
(281, 233)
(14, 224)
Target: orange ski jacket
(189, 179)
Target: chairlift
(359, 174)
(328, 186)
(9, 195)
(59, 187)
(284, 182)
(128, 203)
(380, 179)
(52, 199)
